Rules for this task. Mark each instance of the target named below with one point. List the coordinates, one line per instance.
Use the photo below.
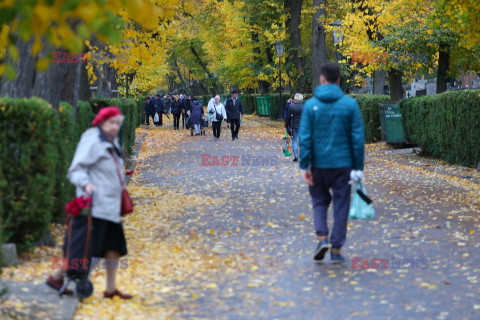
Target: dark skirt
(108, 236)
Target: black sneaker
(295, 160)
(322, 248)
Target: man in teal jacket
(332, 140)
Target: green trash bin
(391, 123)
(263, 105)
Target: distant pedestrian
(149, 108)
(234, 110)
(177, 108)
(293, 121)
(95, 171)
(287, 107)
(332, 153)
(159, 109)
(219, 114)
(187, 107)
(196, 116)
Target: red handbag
(127, 203)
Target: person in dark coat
(159, 109)
(187, 107)
(196, 116)
(234, 109)
(168, 104)
(177, 108)
(293, 121)
(287, 106)
(149, 110)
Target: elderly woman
(96, 170)
(293, 121)
(215, 109)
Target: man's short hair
(331, 72)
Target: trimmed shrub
(3, 185)
(140, 112)
(29, 153)
(249, 102)
(66, 143)
(129, 109)
(446, 126)
(83, 119)
(275, 105)
(369, 106)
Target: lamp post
(279, 50)
(337, 36)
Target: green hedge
(29, 153)
(3, 186)
(140, 112)
(83, 119)
(369, 106)
(446, 125)
(66, 143)
(68, 135)
(129, 109)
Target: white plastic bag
(156, 118)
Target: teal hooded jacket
(331, 132)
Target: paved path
(261, 213)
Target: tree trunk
(28, 82)
(379, 81)
(84, 93)
(396, 86)
(319, 53)
(263, 86)
(292, 25)
(443, 66)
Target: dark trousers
(234, 127)
(160, 119)
(176, 121)
(337, 180)
(147, 118)
(217, 127)
(184, 116)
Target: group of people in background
(192, 114)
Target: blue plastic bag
(361, 207)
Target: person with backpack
(218, 115)
(292, 122)
(332, 138)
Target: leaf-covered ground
(236, 242)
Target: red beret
(105, 114)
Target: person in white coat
(217, 109)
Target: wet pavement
(417, 259)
